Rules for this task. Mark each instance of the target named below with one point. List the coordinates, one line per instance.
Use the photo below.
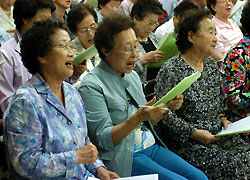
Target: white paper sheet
(240, 126)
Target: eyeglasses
(130, 50)
(86, 30)
(224, 1)
(151, 23)
(65, 46)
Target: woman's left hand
(104, 174)
(175, 103)
(225, 122)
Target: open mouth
(131, 65)
(91, 41)
(68, 2)
(69, 64)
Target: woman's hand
(203, 136)
(78, 69)
(224, 121)
(175, 103)
(87, 154)
(104, 174)
(154, 114)
(152, 56)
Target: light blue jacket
(41, 135)
(103, 92)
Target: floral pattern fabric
(227, 158)
(236, 81)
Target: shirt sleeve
(23, 137)
(6, 82)
(99, 121)
(235, 73)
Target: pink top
(227, 35)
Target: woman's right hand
(203, 136)
(152, 56)
(87, 154)
(150, 113)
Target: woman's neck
(223, 19)
(59, 12)
(194, 59)
(6, 11)
(142, 39)
(55, 85)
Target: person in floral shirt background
(236, 76)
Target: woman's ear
(213, 7)
(41, 60)
(105, 52)
(190, 36)
(135, 18)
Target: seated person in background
(112, 93)
(45, 129)
(82, 22)
(236, 75)
(13, 74)
(145, 13)
(6, 16)
(180, 12)
(169, 6)
(106, 8)
(237, 8)
(126, 7)
(189, 131)
(228, 32)
(61, 7)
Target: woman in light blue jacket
(121, 129)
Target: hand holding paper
(168, 46)
(87, 54)
(178, 89)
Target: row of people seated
(45, 124)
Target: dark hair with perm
(37, 42)
(190, 23)
(144, 7)
(27, 9)
(245, 18)
(108, 28)
(104, 2)
(77, 14)
(184, 7)
(211, 3)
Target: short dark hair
(143, 7)
(27, 9)
(108, 28)
(183, 7)
(190, 23)
(77, 14)
(104, 2)
(211, 3)
(245, 18)
(37, 42)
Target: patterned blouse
(236, 80)
(41, 135)
(227, 158)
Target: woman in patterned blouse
(189, 131)
(45, 129)
(236, 75)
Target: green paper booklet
(1, 62)
(240, 126)
(178, 89)
(168, 46)
(87, 54)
